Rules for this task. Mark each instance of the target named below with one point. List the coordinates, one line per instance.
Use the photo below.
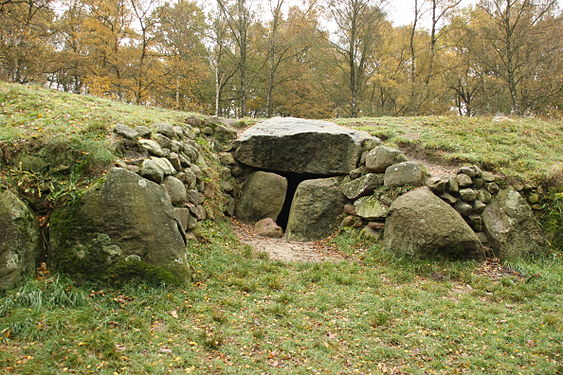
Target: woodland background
(316, 59)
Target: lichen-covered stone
(300, 146)
(126, 132)
(421, 224)
(151, 146)
(123, 224)
(316, 209)
(406, 173)
(19, 241)
(362, 186)
(511, 227)
(379, 158)
(263, 196)
(371, 208)
(152, 171)
(176, 190)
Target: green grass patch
(243, 314)
(516, 147)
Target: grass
(29, 112)
(245, 314)
(521, 147)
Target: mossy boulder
(511, 227)
(120, 223)
(316, 209)
(262, 196)
(421, 224)
(19, 240)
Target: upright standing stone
(316, 209)
(262, 196)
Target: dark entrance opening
(293, 180)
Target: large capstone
(122, 228)
(421, 224)
(262, 196)
(19, 241)
(300, 146)
(316, 209)
(511, 227)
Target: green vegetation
(245, 314)
(519, 147)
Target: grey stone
(467, 195)
(187, 177)
(448, 198)
(475, 222)
(362, 186)
(134, 156)
(19, 241)
(144, 131)
(151, 146)
(484, 196)
(406, 173)
(165, 165)
(123, 219)
(263, 196)
(371, 233)
(176, 146)
(492, 188)
(179, 131)
(468, 171)
(191, 152)
(224, 133)
(358, 172)
(229, 208)
(478, 182)
(184, 160)
(126, 132)
(152, 171)
(174, 159)
(453, 186)
(369, 143)
(183, 216)
(483, 238)
(165, 129)
(370, 208)
(226, 158)
(437, 184)
(193, 196)
(163, 141)
(300, 146)
(268, 228)
(176, 190)
(379, 158)
(464, 180)
(511, 227)
(226, 186)
(488, 177)
(478, 206)
(463, 208)
(421, 224)
(316, 209)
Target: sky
(401, 12)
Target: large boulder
(316, 209)
(263, 196)
(122, 228)
(300, 146)
(421, 224)
(19, 240)
(511, 227)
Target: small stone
(475, 222)
(237, 170)
(484, 196)
(268, 228)
(448, 198)
(464, 180)
(369, 232)
(478, 206)
(492, 188)
(226, 186)
(207, 131)
(151, 146)
(437, 184)
(478, 182)
(370, 143)
(126, 132)
(166, 129)
(463, 208)
(165, 165)
(182, 215)
(176, 190)
(482, 236)
(469, 171)
(478, 171)
(179, 131)
(488, 177)
(376, 225)
(362, 186)
(467, 195)
(176, 146)
(191, 152)
(453, 186)
(193, 196)
(226, 158)
(370, 208)
(144, 131)
(133, 168)
(380, 158)
(192, 222)
(348, 221)
(349, 209)
(175, 161)
(163, 141)
(533, 198)
(152, 171)
(406, 173)
(518, 186)
(187, 177)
